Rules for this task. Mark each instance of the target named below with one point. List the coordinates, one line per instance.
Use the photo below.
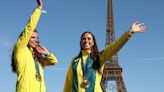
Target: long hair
(13, 65)
(94, 53)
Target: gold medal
(85, 84)
(38, 77)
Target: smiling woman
(85, 71)
(27, 57)
(33, 41)
(87, 41)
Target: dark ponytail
(13, 66)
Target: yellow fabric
(25, 66)
(105, 55)
(80, 74)
(85, 54)
(113, 48)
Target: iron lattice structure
(112, 70)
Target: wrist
(48, 54)
(40, 7)
(131, 31)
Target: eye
(32, 36)
(83, 38)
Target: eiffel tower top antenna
(110, 32)
(112, 70)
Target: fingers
(40, 46)
(40, 4)
(135, 23)
(142, 28)
(138, 27)
(138, 23)
(42, 49)
(141, 24)
(38, 49)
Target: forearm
(50, 60)
(29, 28)
(113, 48)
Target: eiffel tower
(112, 80)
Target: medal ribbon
(37, 67)
(37, 64)
(43, 56)
(84, 68)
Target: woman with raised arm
(86, 69)
(29, 57)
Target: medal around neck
(85, 84)
(38, 77)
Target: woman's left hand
(40, 4)
(41, 49)
(137, 27)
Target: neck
(85, 52)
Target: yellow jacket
(25, 65)
(75, 75)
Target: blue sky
(142, 58)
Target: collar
(86, 52)
(31, 49)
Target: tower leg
(120, 85)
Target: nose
(36, 41)
(87, 40)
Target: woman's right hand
(40, 4)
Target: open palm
(138, 27)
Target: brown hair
(13, 66)
(94, 54)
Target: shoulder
(75, 59)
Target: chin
(86, 49)
(32, 46)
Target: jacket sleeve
(50, 60)
(29, 29)
(113, 48)
(69, 79)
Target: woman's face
(87, 41)
(33, 41)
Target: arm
(48, 59)
(69, 80)
(112, 49)
(137, 27)
(31, 25)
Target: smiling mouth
(34, 43)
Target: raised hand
(137, 27)
(42, 50)
(40, 4)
